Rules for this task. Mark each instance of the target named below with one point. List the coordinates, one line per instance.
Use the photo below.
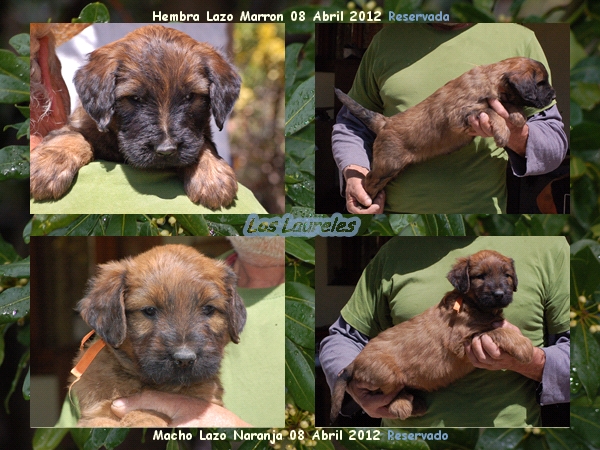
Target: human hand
(481, 126)
(357, 199)
(182, 410)
(374, 403)
(485, 354)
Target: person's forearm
(339, 349)
(535, 368)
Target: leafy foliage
(300, 127)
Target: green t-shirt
(104, 187)
(404, 64)
(408, 275)
(253, 371)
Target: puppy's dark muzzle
(184, 357)
(167, 148)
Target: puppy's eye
(190, 96)
(149, 311)
(135, 99)
(208, 310)
(479, 277)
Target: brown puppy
(440, 123)
(427, 352)
(165, 317)
(146, 100)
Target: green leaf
(48, 438)
(7, 252)
(562, 439)
(195, 224)
(584, 200)
(381, 225)
(301, 249)
(585, 136)
(300, 314)
(291, 63)
(93, 13)
(122, 225)
(14, 304)
(23, 362)
(585, 423)
(443, 224)
(14, 68)
(14, 162)
(499, 439)
(107, 437)
(20, 43)
(299, 375)
(301, 145)
(22, 128)
(586, 95)
(585, 358)
(84, 225)
(18, 269)
(578, 167)
(302, 194)
(221, 229)
(300, 109)
(43, 224)
(585, 271)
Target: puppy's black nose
(184, 357)
(498, 295)
(166, 148)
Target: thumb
(122, 406)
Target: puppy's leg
(499, 128)
(406, 405)
(515, 115)
(55, 162)
(513, 343)
(389, 158)
(211, 182)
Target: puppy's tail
(371, 119)
(339, 390)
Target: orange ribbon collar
(457, 304)
(89, 354)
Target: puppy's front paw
(499, 128)
(522, 351)
(517, 118)
(54, 164)
(211, 182)
(513, 343)
(406, 405)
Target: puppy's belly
(393, 372)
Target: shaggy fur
(440, 123)
(427, 352)
(166, 316)
(146, 100)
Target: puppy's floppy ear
(459, 275)
(224, 82)
(523, 83)
(236, 311)
(95, 85)
(103, 307)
